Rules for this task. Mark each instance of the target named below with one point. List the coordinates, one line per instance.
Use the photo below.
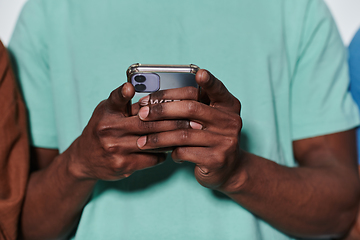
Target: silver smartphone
(147, 78)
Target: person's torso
(246, 44)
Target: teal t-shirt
(284, 60)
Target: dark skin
(315, 199)
(354, 233)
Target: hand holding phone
(214, 146)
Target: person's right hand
(107, 148)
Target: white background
(346, 14)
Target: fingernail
(125, 88)
(122, 93)
(205, 75)
(195, 125)
(141, 141)
(144, 101)
(144, 112)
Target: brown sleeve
(14, 150)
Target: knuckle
(235, 123)
(182, 124)
(157, 109)
(105, 124)
(109, 147)
(231, 144)
(234, 103)
(146, 125)
(106, 128)
(193, 108)
(158, 95)
(153, 138)
(117, 165)
(191, 91)
(101, 129)
(184, 135)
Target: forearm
(300, 201)
(54, 201)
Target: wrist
(74, 166)
(238, 177)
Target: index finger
(216, 91)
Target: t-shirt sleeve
(28, 48)
(320, 99)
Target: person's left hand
(213, 141)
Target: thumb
(118, 100)
(216, 91)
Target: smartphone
(147, 78)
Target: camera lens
(140, 87)
(140, 78)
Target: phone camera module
(140, 87)
(146, 82)
(140, 78)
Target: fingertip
(202, 77)
(144, 112)
(127, 90)
(141, 142)
(195, 125)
